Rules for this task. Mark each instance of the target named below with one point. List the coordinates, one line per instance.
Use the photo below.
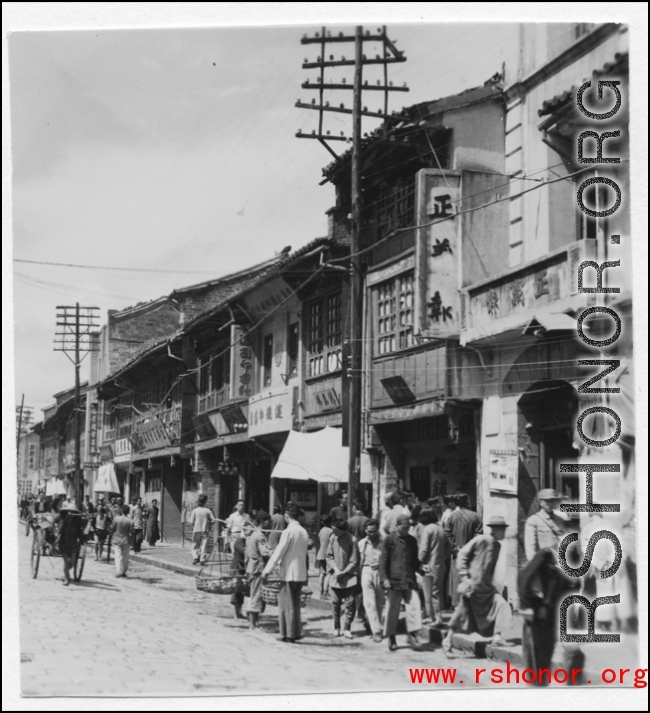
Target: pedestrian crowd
(417, 558)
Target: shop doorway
(547, 413)
(259, 485)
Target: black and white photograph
(324, 370)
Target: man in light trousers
(122, 529)
(290, 557)
(371, 587)
(202, 520)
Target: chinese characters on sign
(523, 291)
(437, 243)
(241, 363)
(149, 435)
(269, 412)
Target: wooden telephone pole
(390, 55)
(75, 325)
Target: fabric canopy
(106, 480)
(314, 456)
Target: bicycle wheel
(37, 546)
(79, 562)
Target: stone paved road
(155, 634)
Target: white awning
(106, 480)
(318, 456)
(55, 486)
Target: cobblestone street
(155, 634)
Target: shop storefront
(432, 456)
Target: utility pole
(19, 428)
(356, 283)
(76, 323)
(389, 55)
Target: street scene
(325, 369)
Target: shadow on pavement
(95, 585)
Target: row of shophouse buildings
(470, 375)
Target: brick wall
(130, 334)
(338, 225)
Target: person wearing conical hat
(481, 608)
(69, 526)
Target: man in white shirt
(290, 557)
(235, 523)
(389, 520)
(373, 592)
(202, 520)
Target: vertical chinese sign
(241, 364)
(437, 253)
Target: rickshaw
(45, 544)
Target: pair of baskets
(222, 584)
(271, 589)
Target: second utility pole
(356, 282)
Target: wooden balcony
(214, 399)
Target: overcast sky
(175, 149)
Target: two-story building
(520, 347)
(420, 183)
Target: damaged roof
(419, 113)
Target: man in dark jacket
(398, 565)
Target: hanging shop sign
(504, 469)
(269, 412)
(93, 426)
(122, 450)
(241, 363)
(437, 250)
(149, 435)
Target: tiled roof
(237, 285)
(549, 106)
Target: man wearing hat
(70, 533)
(547, 527)
(257, 555)
(481, 608)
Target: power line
(125, 269)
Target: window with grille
(324, 335)
(214, 380)
(394, 301)
(110, 420)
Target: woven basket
(222, 585)
(270, 593)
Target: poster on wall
(504, 466)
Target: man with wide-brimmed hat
(547, 527)
(481, 608)
(70, 533)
